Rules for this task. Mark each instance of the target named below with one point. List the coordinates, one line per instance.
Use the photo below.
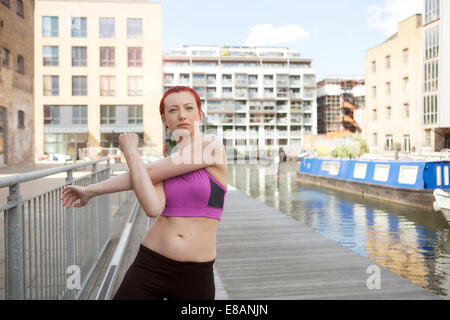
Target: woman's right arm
(213, 154)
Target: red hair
(178, 89)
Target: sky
(334, 34)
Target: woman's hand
(128, 142)
(71, 194)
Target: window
(51, 85)
(135, 57)
(406, 110)
(5, 2)
(406, 143)
(388, 62)
(432, 10)
(388, 88)
(79, 114)
(374, 115)
(134, 28)
(49, 27)
(19, 8)
(5, 57)
(51, 115)
(79, 85)
(79, 56)
(374, 92)
(51, 55)
(374, 66)
(135, 114)
(431, 76)
(107, 28)
(21, 119)
(107, 56)
(107, 85)
(375, 140)
(430, 109)
(427, 138)
(431, 46)
(406, 84)
(388, 113)
(135, 86)
(405, 55)
(389, 142)
(79, 27)
(108, 114)
(20, 64)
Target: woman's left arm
(146, 194)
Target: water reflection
(410, 242)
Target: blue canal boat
(404, 182)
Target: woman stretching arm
(151, 202)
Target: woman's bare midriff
(183, 238)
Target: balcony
(239, 120)
(185, 82)
(227, 82)
(252, 82)
(241, 95)
(309, 83)
(269, 95)
(211, 82)
(296, 120)
(256, 120)
(295, 96)
(283, 108)
(282, 95)
(168, 81)
(227, 94)
(211, 94)
(268, 82)
(282, 133)
(228, 134)
(241, 108)
(252, 134)
(282, 83)
(282, 121)
(252, 95)
(199, 82)
(295, 134)
(295, 83)
(241, 82)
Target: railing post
(108, 202)
(70, 237)
(95, 213)
(14, 246)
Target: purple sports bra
(194, 194)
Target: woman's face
(181, 113)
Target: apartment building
(98, 74)
(436, 75)
(16, 82)
(392, 113)
(339, 105)
(252, 97)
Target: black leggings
(153, 276)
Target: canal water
(410, 242)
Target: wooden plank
(264, 254)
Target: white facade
(436, 74)
(264, 97)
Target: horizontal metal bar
(7, 181)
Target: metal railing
(51, 251)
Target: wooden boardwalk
(264, 254)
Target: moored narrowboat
(404, 182)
